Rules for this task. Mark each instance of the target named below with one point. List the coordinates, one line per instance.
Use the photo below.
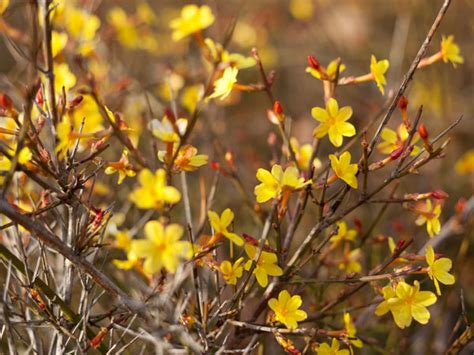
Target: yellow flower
(330, 70)
(220, 225)
(265, 266)
(344, 170)
(438, 270)
(24, 157)
(58, 42)
(193, 19)
(351, 261)
(145, 13)
(131, 262)
(333, 122)
(88, 108)
(167, 131)
(450, 51)
(124, 241)
(378, 70)
(343, 233)
(302, 9)
(276, 182)
(187, 158)
(392, 140)
(219, 54)
(63, 77)
(123, 167)
(286, 309)
(153, 192)
(162, 247)
(231, 272)
(325, 349)
(406, 303)
(124, 26)
(304, 154)
(170, 86)
(223, 86)
(191, 96)
(351, 330)
(429, 214)
(66, 138)
(465, 164)
(3, 5)
(81, 24)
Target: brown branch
(409, 75)
(50, 240)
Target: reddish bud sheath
(422, 131)
(75, 101)
(39, 97)
(460, 205)
(396, 153)
(95, 342)
(313, 62)
(400, 244)
(358, 224)
(439, 194)
(6, 102)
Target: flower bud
(460, 205)
(402, 103)
(75, 102)
(400, 245)
(278, 108)
(396, 153)
(439, 195)
(215, 165)
(313, 62)
(422, 131)
(39, 97)
(6, 102)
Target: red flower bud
(75, 102)
(95, 342)
(422, 131)
(169, 114)
(277, 108)
(400, 244)
(402, 103)
(313, 62)
(6, 102)
(439, 195)
(460, 205)
(215, 165)
(396, 153)
(39, 97)
(358, 224)
(249, 239)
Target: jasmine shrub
(130, 222)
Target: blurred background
(135, 61)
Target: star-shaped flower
(333, 122)
(286, 309)
(438, 270)
(378, 69)
(344, 170)
(193, 19)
